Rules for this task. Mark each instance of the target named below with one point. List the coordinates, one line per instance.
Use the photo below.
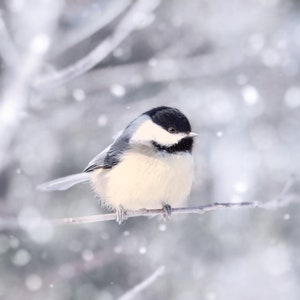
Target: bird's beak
(192, 134)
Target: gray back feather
(108, 158)
(112, 155)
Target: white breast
(146, 180)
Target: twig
(153, 212)
(131, 294)
(164, 70)
(87, 28)
(281, 200)
(8, 50)
(130, 22)
(12, 223)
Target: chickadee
(149, 165)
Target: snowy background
(74, 73)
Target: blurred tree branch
(77, 34)
(131, 294)
(132, 21)
(35, 25)
(161, 70)
(8, 50)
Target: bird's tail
(64, 183)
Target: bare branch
(8, 50)
(163, 70)
(15, 93)
(132, 21)
(153, 212)
(281, 200)
(131, 294)
(87, 28)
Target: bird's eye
(172, 130)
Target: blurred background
(74, 73)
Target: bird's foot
(167, 211)
(121, 215)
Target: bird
(149, 165)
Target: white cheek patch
(149, 131)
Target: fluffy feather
(146, 180)
(147, 166)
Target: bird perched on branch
(149, 165)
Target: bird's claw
(120, 215)
(167, 211)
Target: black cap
(169, 118)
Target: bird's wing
(110, 156)
(98, 161)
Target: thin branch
(8, 50)
(163, 70)
(153, 212)
(12, 223)
(281, 200)
(76, 34)
(131, 294)
(132, 21)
